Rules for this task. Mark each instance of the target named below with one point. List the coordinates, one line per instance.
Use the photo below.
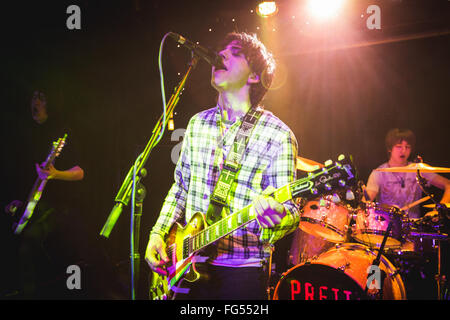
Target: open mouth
(220, 67)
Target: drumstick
(415, 203)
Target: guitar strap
(231, 166)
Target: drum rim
(323, 224)
(393, 210)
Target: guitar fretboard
(219, 229)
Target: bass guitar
(38, 187)
(183, 243)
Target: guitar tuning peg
(342, 183)
(335, 198)
(314, 191)
(328, 186)
(341, 157)
(328, 163)
(349, 195)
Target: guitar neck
(240, 218)
(307, 187)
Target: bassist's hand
(46, 174)
(156, 255)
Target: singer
(216, 147)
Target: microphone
(210, 56)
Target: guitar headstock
(58, 146)
(55, 151)
(334, 176)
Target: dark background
(341, 88)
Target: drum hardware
(433, 206)
(269, 287)
(376, 262)
(395, 273)
(344, 266)
(443, 216)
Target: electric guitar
(183, 243)
(38, 187)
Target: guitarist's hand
(269, 211)
(156, 255)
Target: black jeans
(225, 283)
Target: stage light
(266, 9)
(324, 9)
(171, 124)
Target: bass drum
(339, 274)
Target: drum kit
(357, 249)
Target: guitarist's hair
(260, 60)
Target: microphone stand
(137, 172)
(136, 224)
(123, 196)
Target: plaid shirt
(269, 160)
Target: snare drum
(325, 219)
(341, 273)
(372, 223)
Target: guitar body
(180, 267)
(32, 201)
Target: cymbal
(432, 205)
(308, 165)
(413, 167)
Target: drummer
(401, 188)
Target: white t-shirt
(397, 188)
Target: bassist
(41, 239)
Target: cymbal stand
(443, 221)
(269, 287)
(376, 261)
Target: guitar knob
(314, 191)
